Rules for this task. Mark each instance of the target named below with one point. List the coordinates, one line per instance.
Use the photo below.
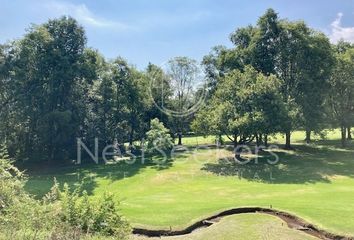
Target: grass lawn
(244, 227)
(314, 182)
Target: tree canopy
(245, 105)
(279, 76)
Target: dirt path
(292, 221)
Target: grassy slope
(313, 182)
(244, 227)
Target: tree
(342, 91)
(245, 104)
(49, 77)
(304, 65)
(159, 93)
(183, 74)
(215, 66)
(4, 91)
(291, 51)
(101, 121)
(158, 137)
(129, 100)
(265, 43)
(55, 89)
(314, 85)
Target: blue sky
(145, 31)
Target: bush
(158, 137)
(61, 215)
(21, 216)
(93, 216)
(11, 182)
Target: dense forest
(278, 77)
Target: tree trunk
(257, 140)
(179, 138)
(344, 137)
(237, 150)
(288, 140)
(349, 134)
(266, 140)
(51, 146)
(308, 136)
(131, 138)
(220, 140)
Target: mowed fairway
(314, 182)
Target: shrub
(158, 137)
(11, 182)
(21, 216)
(61, 215)
(100, 216)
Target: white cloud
(339, 32)
(81, 13)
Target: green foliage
(54, 89)
(100, 216)
(342, 94)
(61, 214)
(245, 104)
(158, 137)
(11, 182)
(21, 217)
(159, 93)
(301, 58)
(118, 106)
(314, 181)
(54, 193)
(47, 79)
(277, 78)
(184, 75)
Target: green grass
(297, 136)
(315, 182)
(245, 227)
(198, 140)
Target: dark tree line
(54, 89)
(280, 76)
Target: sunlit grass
(315, 182)
(245, 227)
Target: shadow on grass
(307, 164)
(86, 175)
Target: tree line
(279, 76)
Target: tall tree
(304, 64)
(159, 93)
(314, 85)
(183, 74)
(49, 75)
(130, 101)
(341, 98)
(265, 43)
(291, 51)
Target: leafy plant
(60, 215)
(100, 216)
(158, 137)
